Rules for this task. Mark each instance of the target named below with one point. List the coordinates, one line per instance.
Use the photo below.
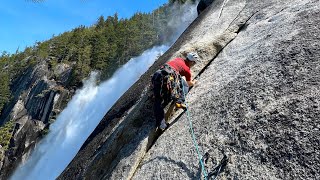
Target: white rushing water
(82, 114)
(87, 108)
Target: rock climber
(169, 85)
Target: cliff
(38, 96)
(257, 102)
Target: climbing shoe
(181, 105)
(163, 125)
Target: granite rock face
(257, 102)
(37, 99)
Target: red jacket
(181, 67)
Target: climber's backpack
(170, 84)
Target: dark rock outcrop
(37, 99)
(203, 4)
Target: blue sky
(23, 22)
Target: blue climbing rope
(196, 146)
(205, 174)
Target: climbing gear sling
(171, 87)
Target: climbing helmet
(193, 56)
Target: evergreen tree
(4, 88)
(105, 46)
(100, 24)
